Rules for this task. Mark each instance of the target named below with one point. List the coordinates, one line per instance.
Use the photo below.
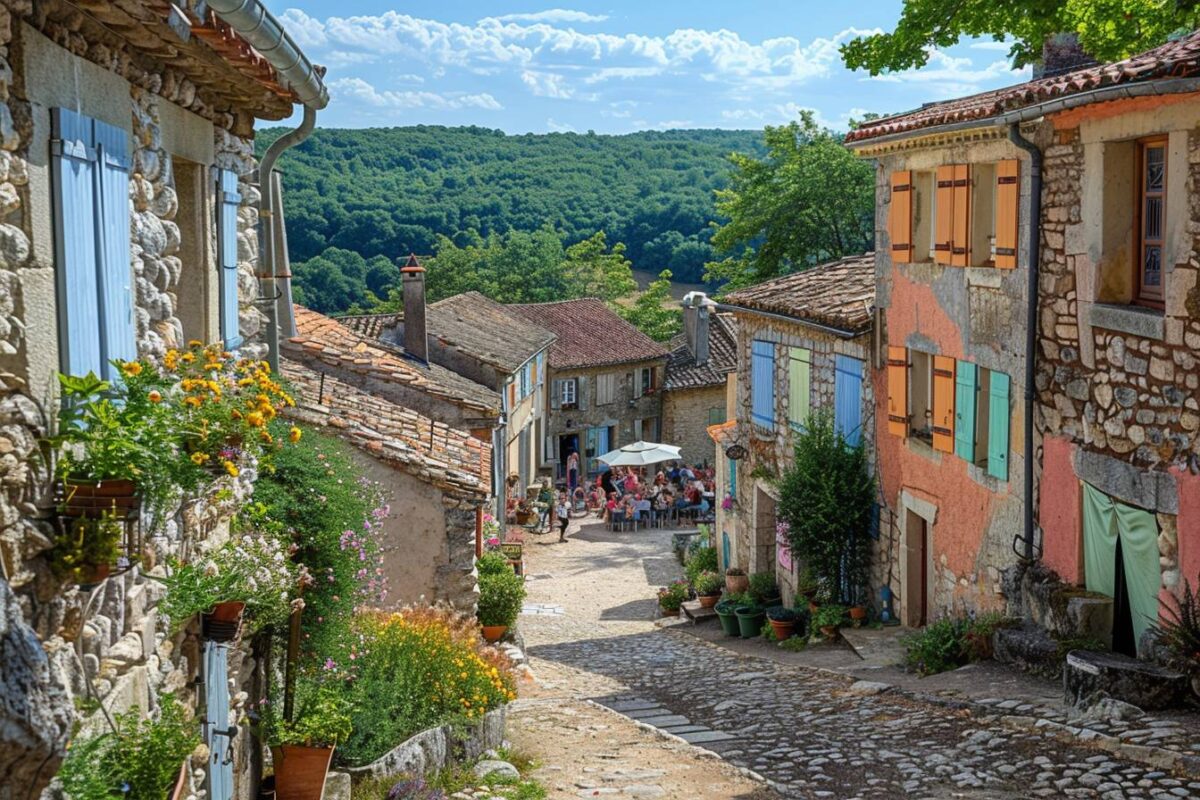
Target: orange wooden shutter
(897, 383)
(1008, 198)
(960, 246)
(943, 404)
(943, 223)
(512, 395)
(900, 217)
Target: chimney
(412, 286)
(696, 317)
(1061, 53)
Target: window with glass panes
(1152, 206)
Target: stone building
(803, 343)
(1116, 324)
(700, 374)
(605, 378)
(128, 213)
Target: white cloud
(624, 73)
(559, 127)
(358, 89)
(950, 76)
(546, 84)
(668, 124)
(1001, 46)
(554, 15)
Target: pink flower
(330, 664)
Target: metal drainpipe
(1031, 313)
(268, 275)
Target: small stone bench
(1147, 686)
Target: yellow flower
(132, 368)
(195, 343)
(231, 468)
(235, 414)
(194, 402)
(255, 419)
(294, 434)
(199, 458)
(187, 358)
(155, 396)
(246, 382)
(266, 437)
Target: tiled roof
(682, 370)
(724, 433)
(371, 326)
(487, 330)
(1176, 59)
(590, 334)
(326, 342)
(840, 294)
(446, 457)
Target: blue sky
(614, 66)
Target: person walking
(564, 516)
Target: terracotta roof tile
(489, 331)
(682, 370)
(840, 294)
(370, 326)
(328, 342)
(1176, 59)
(450, 459)
(590, 334)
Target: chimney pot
(412, 287)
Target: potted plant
(750, 620)
(670, 598)
(89, 549)
(783, 622)
(806, 584)
(501, 595)
(763, 589)
(301, 748)
(827, 619)
(708, 588)
(857, 615)
(725, 613)
(736, 580)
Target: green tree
(808, 201)
(593, 270)
(1108, 29)
(654, 312)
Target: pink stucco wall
(1060, 513)
(1188, 525)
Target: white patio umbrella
(640, 454)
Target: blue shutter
(216, 695)
(117, 340)
(73, 167)
(998, 426)
(227, 230)
(847, 398)
(733, 479)
(725, 550)
(966, 384)
(762, 383)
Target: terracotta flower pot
(224, 622)
(669, 612)
(783, 629)
(708, 600)
(812, 607)
(737, 584)
(829, 631)
(89, 498)
(494, 633)
(300, 771)
(858, 613)
(95, 574)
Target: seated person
(631, 482)
(643, 508)
(610, 507)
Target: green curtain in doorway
(1104, 519)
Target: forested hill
(392, 191)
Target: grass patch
(795, 644)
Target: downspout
(1031, 314)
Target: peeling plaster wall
(974, 314)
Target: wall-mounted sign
(735, 452)
(511, 550)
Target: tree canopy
(655, 312)
(1108, 29)
(807, 201)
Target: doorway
(762, 552)
(915, 600)
(567, 445)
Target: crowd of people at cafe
(650, 495)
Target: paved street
(805, 731)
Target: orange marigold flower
(193, 401)
(235, 414)
(187, 358)
(294, 434)
(255, 419)
(155, 396)
(266, 437)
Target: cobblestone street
(809, 733)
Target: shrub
(321, 717)
(1179, 629)
(950, 643)
(708, 583)
(420, 667)
(736, 599)
(139, 762)
(492, 563)
(670, 598)
(501, 593)
(829, 616)
(703, 559)
(762, 587)
(781, 614)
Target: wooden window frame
(574, 392)
(1140, 195)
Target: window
(606, 389)
(568, 388)
(920, 394)
(229, 199)
(716, 415)
(645, 381)
(1151, 211)
(847, 398)
(799, 386)
(762, 383)
(197, 287)
(90, 175)
(645, 429)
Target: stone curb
(1156, 757)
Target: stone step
(696, 613)
(1148, 686)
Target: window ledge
(1146, 323)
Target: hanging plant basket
(91, 498)
(224, 622)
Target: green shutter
(966, 386)
(799, 385)
(998, 426)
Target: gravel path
(809, 733)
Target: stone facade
(686, 415)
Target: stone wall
(685, 421)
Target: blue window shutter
(733, 479)
(216, 695)
(966, 384)
(73, 169)
(227, 266)
(998, 424)
(725, 550)
(847, 398)
(762, 383)
(117, 340)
